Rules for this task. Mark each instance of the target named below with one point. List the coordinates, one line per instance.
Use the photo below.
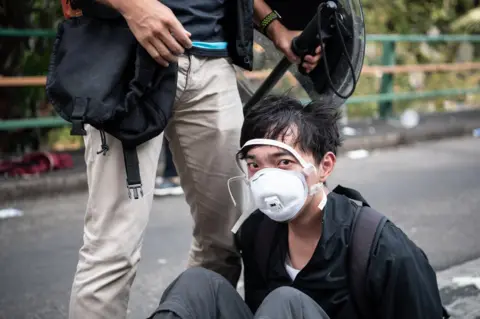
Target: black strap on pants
(132, 167)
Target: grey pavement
(369, 134)
(431, 190)
(460, 288)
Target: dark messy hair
(316, 124)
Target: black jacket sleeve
(400, 280)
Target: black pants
(202, 294)
(170, 170)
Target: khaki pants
(204, 135)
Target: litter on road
(358, 154)
(465, 281)
(10, 213)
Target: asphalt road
(431, 190)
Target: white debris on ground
(410, 119)
(162, 261)
(466, 281)
(349, 131)
(358, 154)
(10, 213)
(460, 290)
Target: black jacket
(240, 32)
(239, 28)
(401, 282)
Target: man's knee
(288, 302)
(102, 281)
(284, 294)
(197, 291)
(108, 258)
(200, 276)
(196, 281)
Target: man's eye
(252, 165)
(285, 162)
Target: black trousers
(199, 293)
(170, 170)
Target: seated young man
(303, 232)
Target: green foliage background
(30, 56)
(25, 56)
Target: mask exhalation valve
(274, 203)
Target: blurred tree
(13, 14)
(412, 16)
(469, 22)
(24, 56)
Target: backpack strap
(366, 229)
(145, 69)
(132, 168)
(79, 108)
(350, 193)
(367, 226)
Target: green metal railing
(384, 98)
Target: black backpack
(100, 75)
(367, 227)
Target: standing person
(169, 183)
(205, 38)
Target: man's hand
(155, 27)
(282, 38)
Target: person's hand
(310, 62)
(282, 39)
(157, 29)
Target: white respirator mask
(279, 194)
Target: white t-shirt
(292, 272)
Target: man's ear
(326, 166)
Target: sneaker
(167, 186)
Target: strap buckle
(136, 190)
(77, 119)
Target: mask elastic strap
(240, 221)
(266, 141)
(316, 189)
(243, 216)
(231, 179)
(309, 169)
(323, 202)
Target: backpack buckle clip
(80, 106)
(136, 190)
(77, 127)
